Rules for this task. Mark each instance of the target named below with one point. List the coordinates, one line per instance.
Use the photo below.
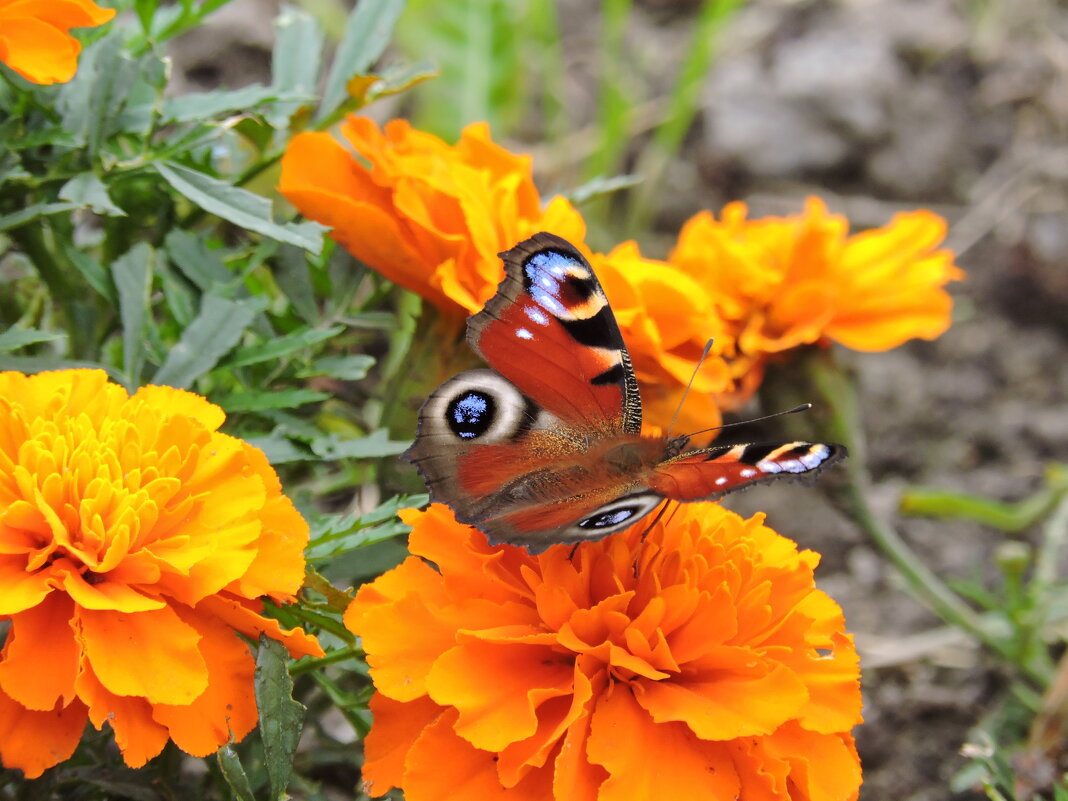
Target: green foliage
(141, 236)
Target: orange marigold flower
(35, 38)
(666, 317)
(701, 662)
(135, 543)
(781, 282)
(429, 216)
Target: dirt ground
(960, 106)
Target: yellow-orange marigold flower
(781, 282)
(429, 216)
(136, 542)
(701, 663)
(666, 318)
(35, 38)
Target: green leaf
(344, 368)
(367, 33)
(239, 206)
(208, 105)
(1006, 516)
(296, 61)
(31, 213)
(261, 401)
(132, 273)
(282, 346)
(374, 446)
(278, 448)
(281, 718)
(234, 773)
(87, 191)
(93, 273)
(197, 261)
(180, 298)
(15, 338)
(292, 275)
(216, 329)
(401, 78)
(37, 364)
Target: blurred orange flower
(35, 38)
(781, 282)
(429, 216)
(135, 543)
(666, 317)
(701, 662)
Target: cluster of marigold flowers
(697, 662)
(693, 658)
(432, 217)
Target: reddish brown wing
(709, 473)
(549, 331)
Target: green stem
(839, 393)
(54, 268)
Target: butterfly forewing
(550, 331)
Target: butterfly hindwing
(708, 473)
(550, 331)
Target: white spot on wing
(748, 472)
(721, 481)
(523, 333)
(536, 315)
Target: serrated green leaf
(292, 276)
(199, 263)
(31, 213)
(374, 446)
(239, 206)
(132, 273)
(296, 61)
(93, 273)
(214, 332)
(87, 191)
(180, 299)
(282, 346)
(261, 401)
(207, 105)
(15, 338)
(281, 717)
(278, 448)
(234, 773)
(345, 368)
(401, 78)
(367, 33)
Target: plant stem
(840, 395)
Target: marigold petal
(397, 725)
(248, 621)
(226, 710)
(108, 594)
(35, 741)
(824, 767)
(722, 705)
(654, 761)
(138, 736)
(442, 766)
(38, 52)
(21, 590)
(497, 689)
(129, 653)
(40, 657)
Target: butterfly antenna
(804, 407)
(682, 400)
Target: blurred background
(650, 111)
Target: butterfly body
(546, 447)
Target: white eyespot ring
(477, 407)
(613, 516)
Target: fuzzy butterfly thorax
(545, 447)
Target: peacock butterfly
(546, 446)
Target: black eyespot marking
(613, 375)
(611, 518)
(470, 414)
